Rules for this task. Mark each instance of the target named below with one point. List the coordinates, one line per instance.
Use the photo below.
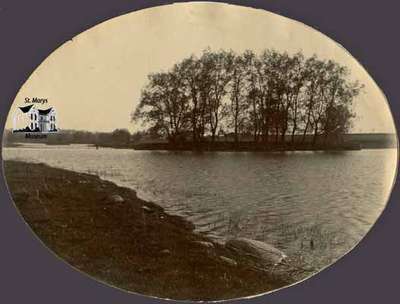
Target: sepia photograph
(200, 151)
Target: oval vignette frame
(247, 8)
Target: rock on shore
(256, 253)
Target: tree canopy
(267, 96)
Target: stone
(147, 209)
(117, 198)
(205, 244)
(256, 253)
(228, 261)
(166, 251)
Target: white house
(30, 119)
(47, 120)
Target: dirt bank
(106, 231)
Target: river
(312, 205)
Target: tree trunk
(315, 134)
(236, 134)
(213, 136)
(305, 130)
(294, 132)
(283, 135)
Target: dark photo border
(31, 30)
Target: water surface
(314, 206)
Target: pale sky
(95, 80)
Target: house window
(31, 125)
(35, 117)
(31, 116)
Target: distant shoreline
(351, 141)
(243, 147)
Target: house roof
(26, 108)
(45, 112)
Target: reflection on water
(313, 205)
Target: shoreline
(349, 141)
(243, 147)
(106, 231)
(167, 147)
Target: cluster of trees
(272, 97)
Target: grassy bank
(108, 232)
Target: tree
(189, 71)
(271, 94)
(163, 106)
(312, 106)
(238, 92)
(218, 67)
(338, 94)
(121, 136)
